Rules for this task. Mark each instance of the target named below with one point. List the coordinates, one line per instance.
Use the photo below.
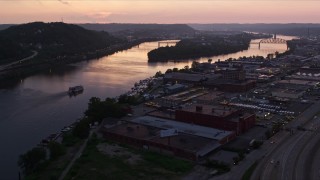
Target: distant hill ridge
(5, 26)
(115, 27)
(295, 29)
(47, 33)
(50, 39)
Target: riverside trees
(32, 160)
(204, 46)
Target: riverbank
(202, 46)
(38, 105)
(38, 64)
(68, 144)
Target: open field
(104, 160)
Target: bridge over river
(273, 40)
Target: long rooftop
(186, 128)
(192, 143)
(217, 110)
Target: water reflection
(36, 106)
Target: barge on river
(73, 91)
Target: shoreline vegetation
(39, 64)
(47, 162)
(206, 45)
(56, 45)
(50, 160)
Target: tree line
(38, 158)
(201, 47)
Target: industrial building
(182, 97)
(219, 117)
(231, 85)
(170, 137)
(179, 77)
(170, 89)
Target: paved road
(307, 165)
(79, 153)
(293, 158)
(312, 160)
(293, 155)
(284, 142)
(4, 67)
(75, 157)
(256, 155)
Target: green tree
(98, 110)
(158, 74)
(31, 160)
(169, 71)
(125, 99)
(82, 129)
(95, 109)
(195, 65)
(175, 70)
(69, 139)
(56, 150)
(110, 100)
(186, 68)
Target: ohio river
(38, 105)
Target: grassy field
(52, 169)
(94, 164)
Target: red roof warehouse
(219, 117)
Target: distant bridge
(271, 41)
(167, 43)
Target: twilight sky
(160, 11)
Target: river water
(38, 105)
